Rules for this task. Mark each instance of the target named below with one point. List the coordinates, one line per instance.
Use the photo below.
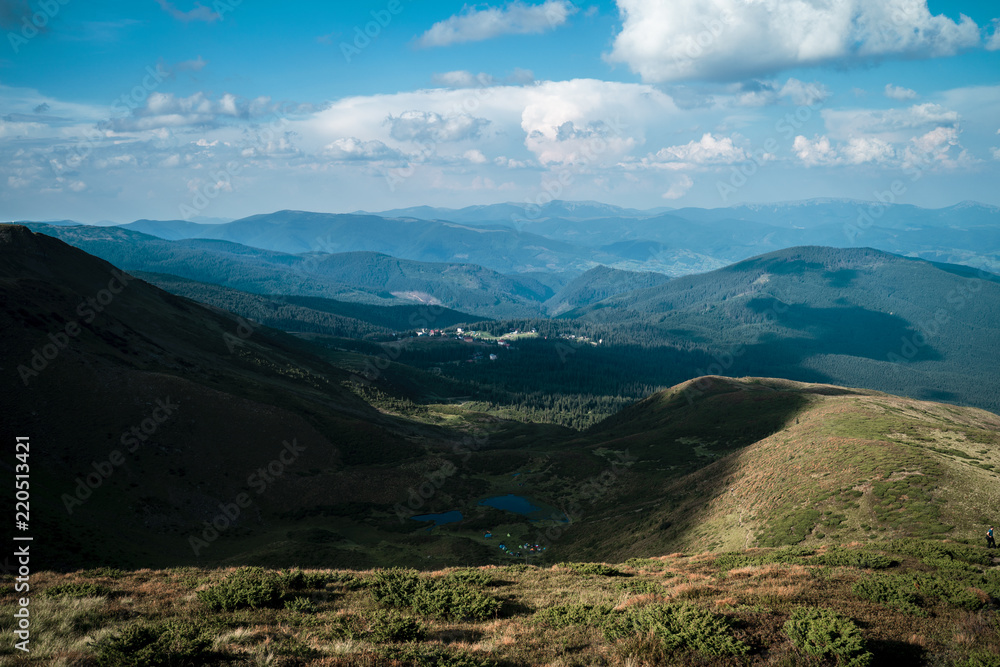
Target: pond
(439, 519)
(512, 503)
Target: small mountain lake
(440, 519)
(524, 507)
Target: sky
(175, 109)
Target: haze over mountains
(573, 236)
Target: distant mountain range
(571, 237)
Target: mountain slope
(723, 464)
(149, 413)
(598, 284)
(858, 317)
(360, 277)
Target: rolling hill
(364, 277)
(858, 317)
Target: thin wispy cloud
(515, 18)
(199, 13)
(899, 93)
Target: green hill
(858, 317)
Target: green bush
(646, 564)
(890, 590)
(75, 590)
(442, 598)
(565, 615)
(168, 644)
(940, 553)
(676, 626)
(424, 656)
(302, 605)
(108, 572)
(470, 578)
(867, 560)
(454, 601)
(247, 587)
(640, 587)
(981, 658)
(827, 634)
(390, 626)
(297, 580)
(394, 587)
(347, 580)
(599, 569)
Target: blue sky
(225, 108)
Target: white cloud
(860, 150)
(431, 127)
(993, 41)
(933, 148)
(474, 156)
(737, 39)
(515, 18)
(350, 149)
(816, 152)
(708, 150)
(899, 93)
(890, 124)
(679, 188)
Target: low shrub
(390, 626)
(470, 578)
(893, 591)
(598, 569)
(75, 590)
(168, 644)
(826, 634)
(442, 598)
(247, 587)
(302, 605)
(565, 615)
(676, 626)
(425, 656)
(394, 587)
(454, 601)
(867, 560)
(297, 580)
(640, 587)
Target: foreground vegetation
(903, 601)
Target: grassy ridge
(907, 602)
